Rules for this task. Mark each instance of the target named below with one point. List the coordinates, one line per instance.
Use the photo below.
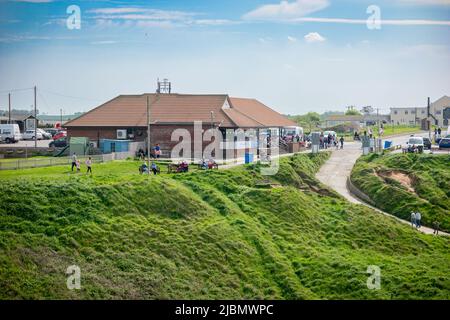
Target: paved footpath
(337, 169)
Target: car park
(52, 131)
(444, 143)
(45, 134)
(31, 134)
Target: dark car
(426, 143)
(59, 143)
(444, 143)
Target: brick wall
(159, 134)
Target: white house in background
(440, 111)
(408, 116)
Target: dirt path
(337, 169)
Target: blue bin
(248, 157)
(387, 144)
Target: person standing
(436, 227)
(74, 160)
(89, 165)
(418, 218)
(342, 142)
(413, 219)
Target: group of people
(77, 164)
(183, 166)
(153, 168)
(416, 222)
(437, 133)
(331, 140)
(204, 165)
(156, 152)
(416, 218)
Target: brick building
(125, 117)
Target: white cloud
(215, 22)
(393, 22)
(292, 39)
(116, 10)
(314, 37)
(425, 2)
(286, 10)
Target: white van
(292, 132)
(10, 133)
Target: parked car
(10, 133)
(59, 135)
(415, 143)
(426, 143)
(59, 143)
(31, 134)
(52, 131)
(45, 134)
(444, 143)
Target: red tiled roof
(131, 111)
(260, 113)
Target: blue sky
(296, 56)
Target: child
(78, 165)
(89, 164)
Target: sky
(295, 56)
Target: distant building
(335, 120)
(51, 120)
(440, 109)
(408, 116)
(25, 122)
(440, 114)
(373, 119)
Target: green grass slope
(205, 235)
(430, 176)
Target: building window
(423, 111)
(395, 112)
(438, 112)
(406, 111)
(413, 111)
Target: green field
(428, 190)
(228, 234)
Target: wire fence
(7, 164)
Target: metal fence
(7, 164)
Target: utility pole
(148, 135)
(429, 121)
(60, 121)
(9, 108)
(35, 119)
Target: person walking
(342, 142)
(74, 160)
(418, 218)
(413, 219)
(89, 165)
(436, 227)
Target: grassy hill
(208, 235)
(401, 183)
